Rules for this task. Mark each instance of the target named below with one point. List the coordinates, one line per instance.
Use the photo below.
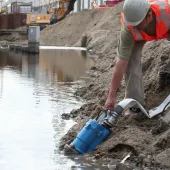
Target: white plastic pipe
(61, 48)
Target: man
(142, 20)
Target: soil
(14, 37)
(148, 140)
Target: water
(34, 92)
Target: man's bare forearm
(117, 76)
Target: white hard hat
(135, 11)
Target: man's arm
(117, 77)
(124, 50)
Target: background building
(79, 4)
(38, 4)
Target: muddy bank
(16, 36)
(148, 140)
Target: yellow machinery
(38, 19)
(4, 9)
(44, 19)
(62, 8)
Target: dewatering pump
(97, 130)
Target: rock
(147, 162)
(90, 85)
(65, 116)
(163, 125)
(142, 156)
(163, 158)
(121, 166)
(112, 164)
(149, 157)
(4, 43)
(69, 150)
(111, 65)
(74, 113)
(163, 141)
(146, 168)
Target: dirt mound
(14, 36)
(98, 31)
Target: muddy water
(34, 92)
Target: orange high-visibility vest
(161, 9)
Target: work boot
(132, 110)
(164, 81)
(135, 110)
(134, 113)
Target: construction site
(95, 26)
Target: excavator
(70, 8)
(107, 5)
(65, 7)
(48, 15)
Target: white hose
(128, 102)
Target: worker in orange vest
(142, 21)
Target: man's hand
(110, 103)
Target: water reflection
(60, 65)
(70, 64)
(34, 92)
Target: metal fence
(12, 21)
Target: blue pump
(96, 131)
(90, 136)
